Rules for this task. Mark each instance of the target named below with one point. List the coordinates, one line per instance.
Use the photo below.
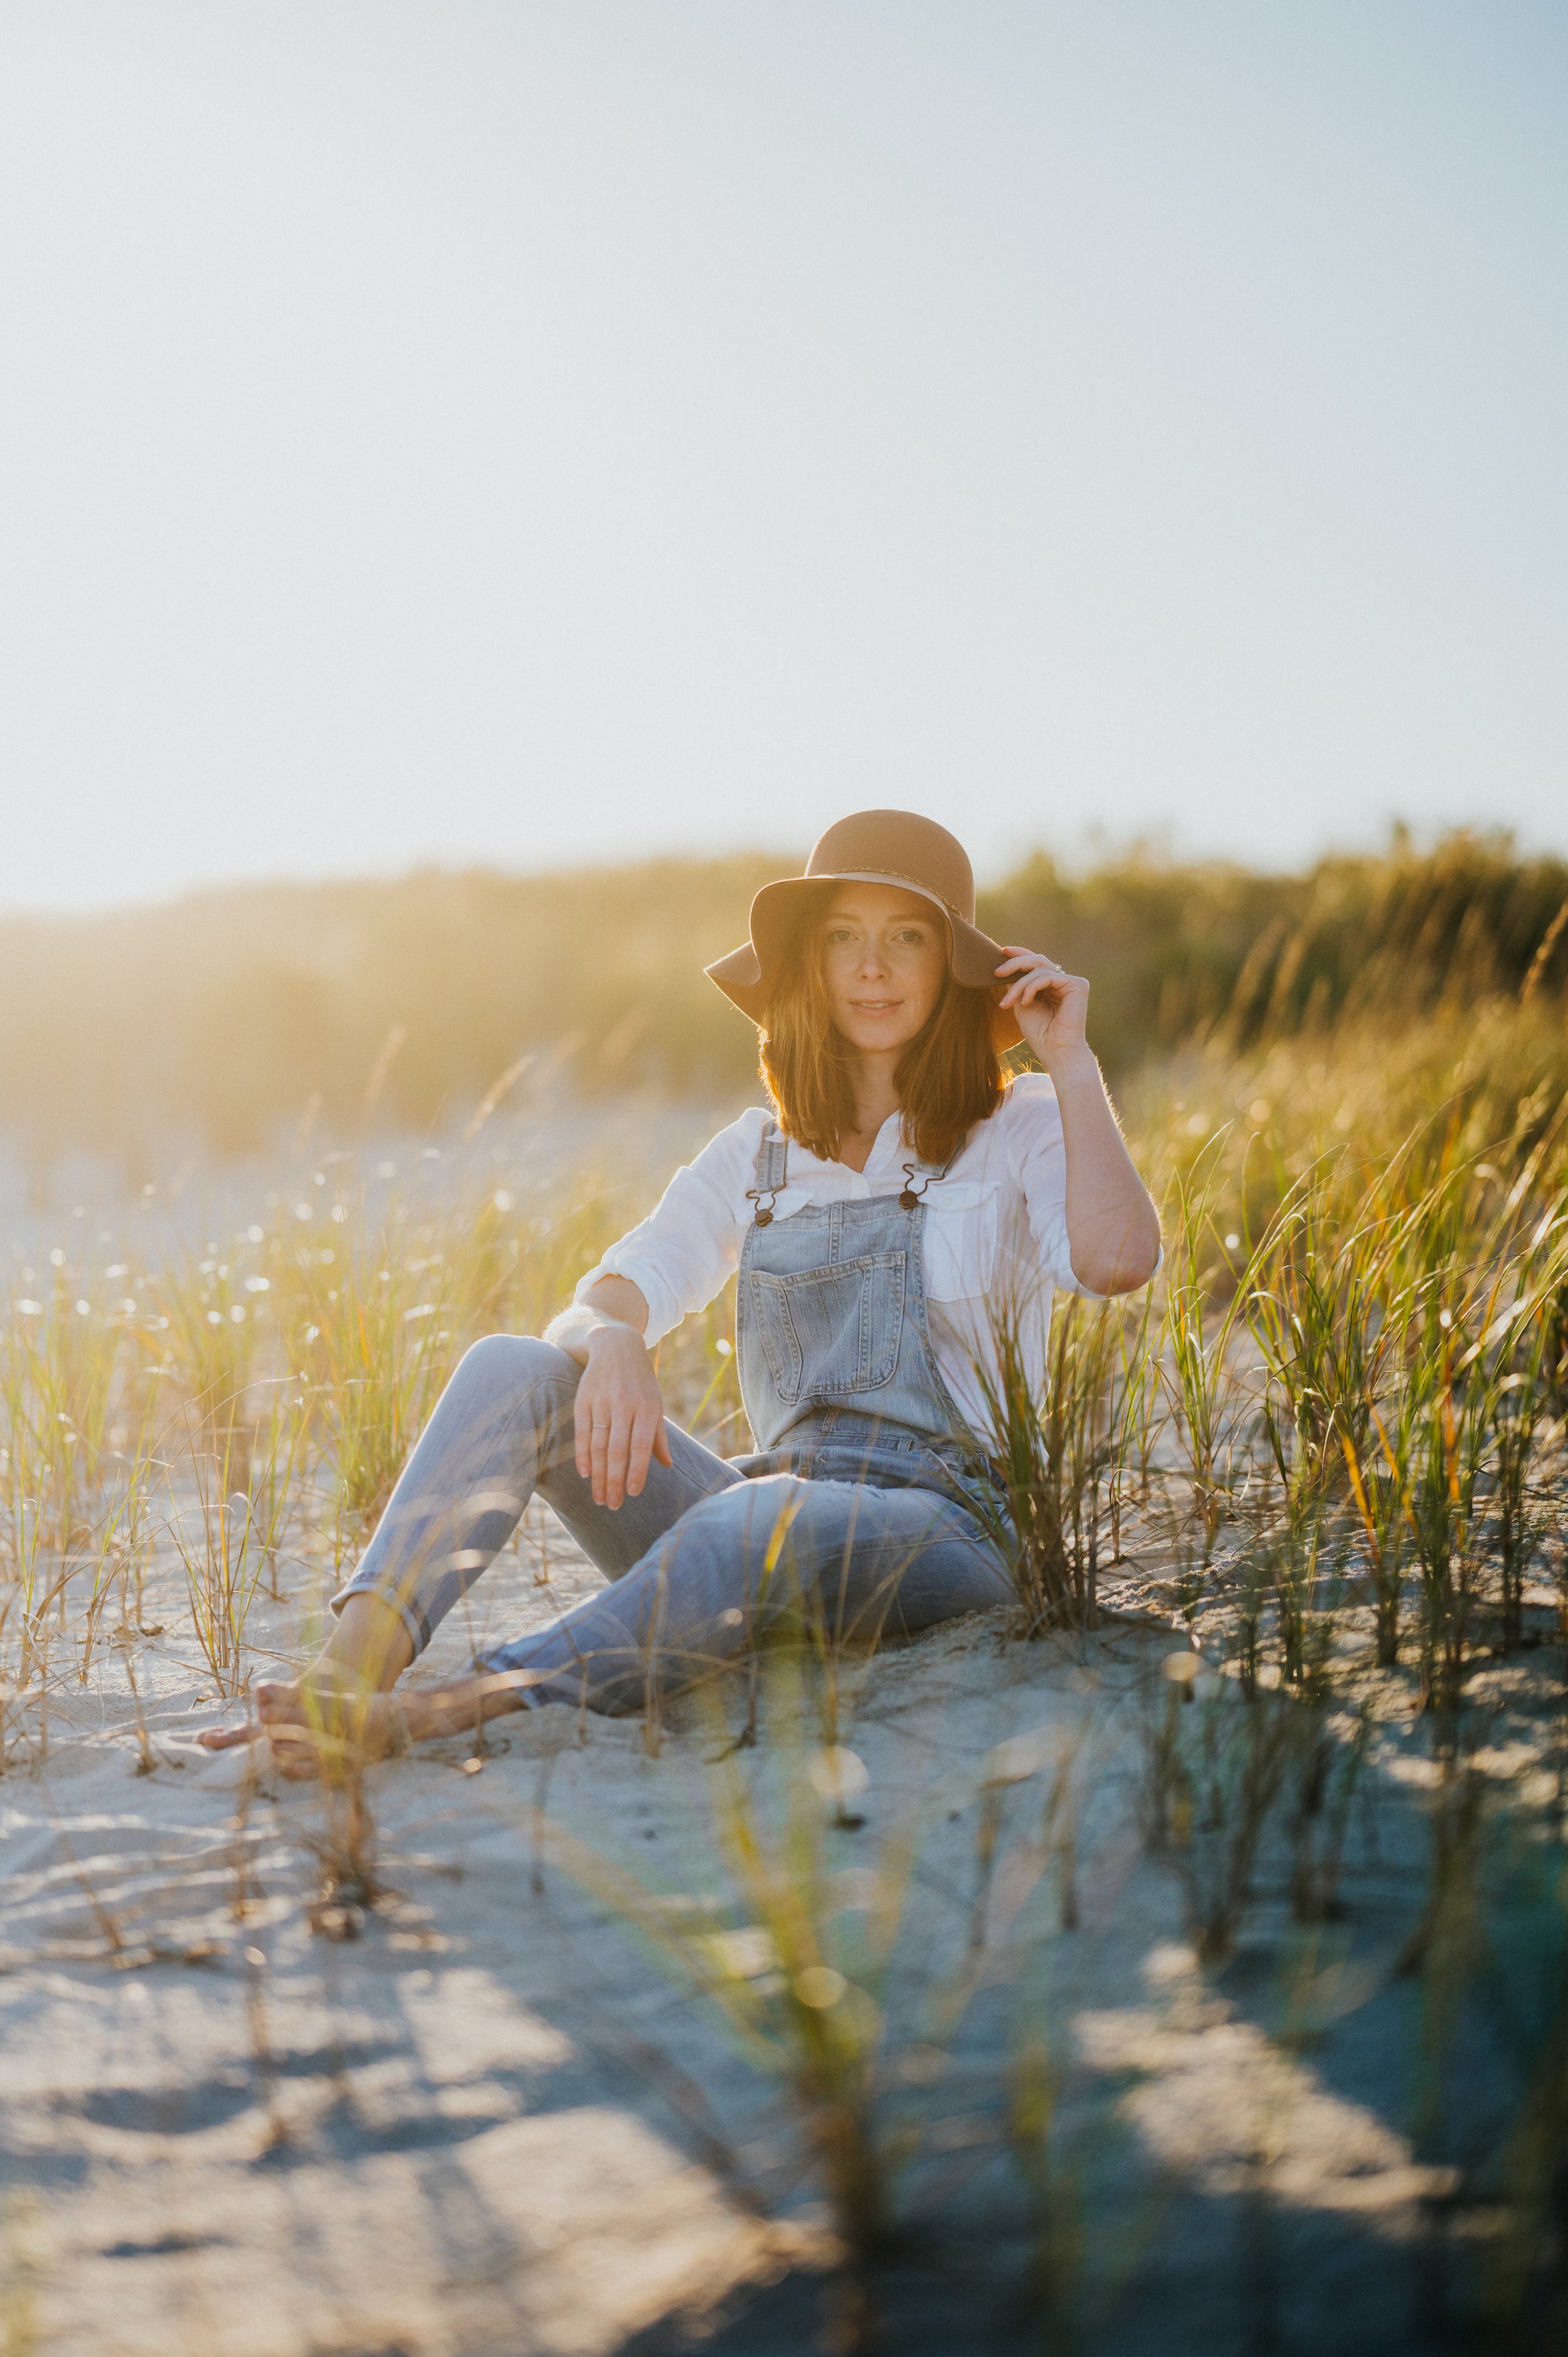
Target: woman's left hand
(1051, 1005)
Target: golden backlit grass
(1361, 1312)
(209, 1024)
(1329, 1444)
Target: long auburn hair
(948, 1078)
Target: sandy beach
(465, 2108)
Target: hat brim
(748, 975)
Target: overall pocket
(830, 1331)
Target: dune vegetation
(1324, 1454)
(210, 1025)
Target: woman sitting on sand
(899, 1189)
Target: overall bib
(868, 1509)
(836, 1367)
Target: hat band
(894, 875)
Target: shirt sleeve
(1038, 1158)
(682, 1253)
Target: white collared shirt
(996, 1230)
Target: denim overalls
(869, 1509)
(836, 1367)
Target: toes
(294, 1759)
(224, 1739)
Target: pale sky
(547, 433)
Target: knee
(751, 1520)
(506, 1366)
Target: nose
(873, 961)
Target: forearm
(1114, 1228)
(612, 1299)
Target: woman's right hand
(619, 1416)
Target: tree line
(217, 1018)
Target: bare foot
(315, 1725)
(318, 1723)
(330, 1713)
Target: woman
(898, 1190)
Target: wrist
(1074, 1067)
(577, 1328)
(610, 1333)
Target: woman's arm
(670, 1263)
(1114, 1228)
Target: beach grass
(1327, 1452)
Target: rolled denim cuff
(418, 1627)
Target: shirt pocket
(961, 1239)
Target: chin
(870, 1037)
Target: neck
(874, 1092)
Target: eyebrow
(851, 917)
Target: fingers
(1030, 970)
(1039, 989)
(592, 1419)
(609, 1449)
(1037, 981)
(638, 1448)
(297, 1755)
(618, 1429)
(618, 1456)
(636, 1434)
(1036, 959)
(1043, 989)
(648, 1439)
(599, 1456)
(224, 1739)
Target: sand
(488, 2120)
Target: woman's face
(884, 961)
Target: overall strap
(912, 1194)
(772, 1164)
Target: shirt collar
(889, 1148)
(888, 1155)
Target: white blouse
(996, 1230)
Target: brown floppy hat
(881, 846)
